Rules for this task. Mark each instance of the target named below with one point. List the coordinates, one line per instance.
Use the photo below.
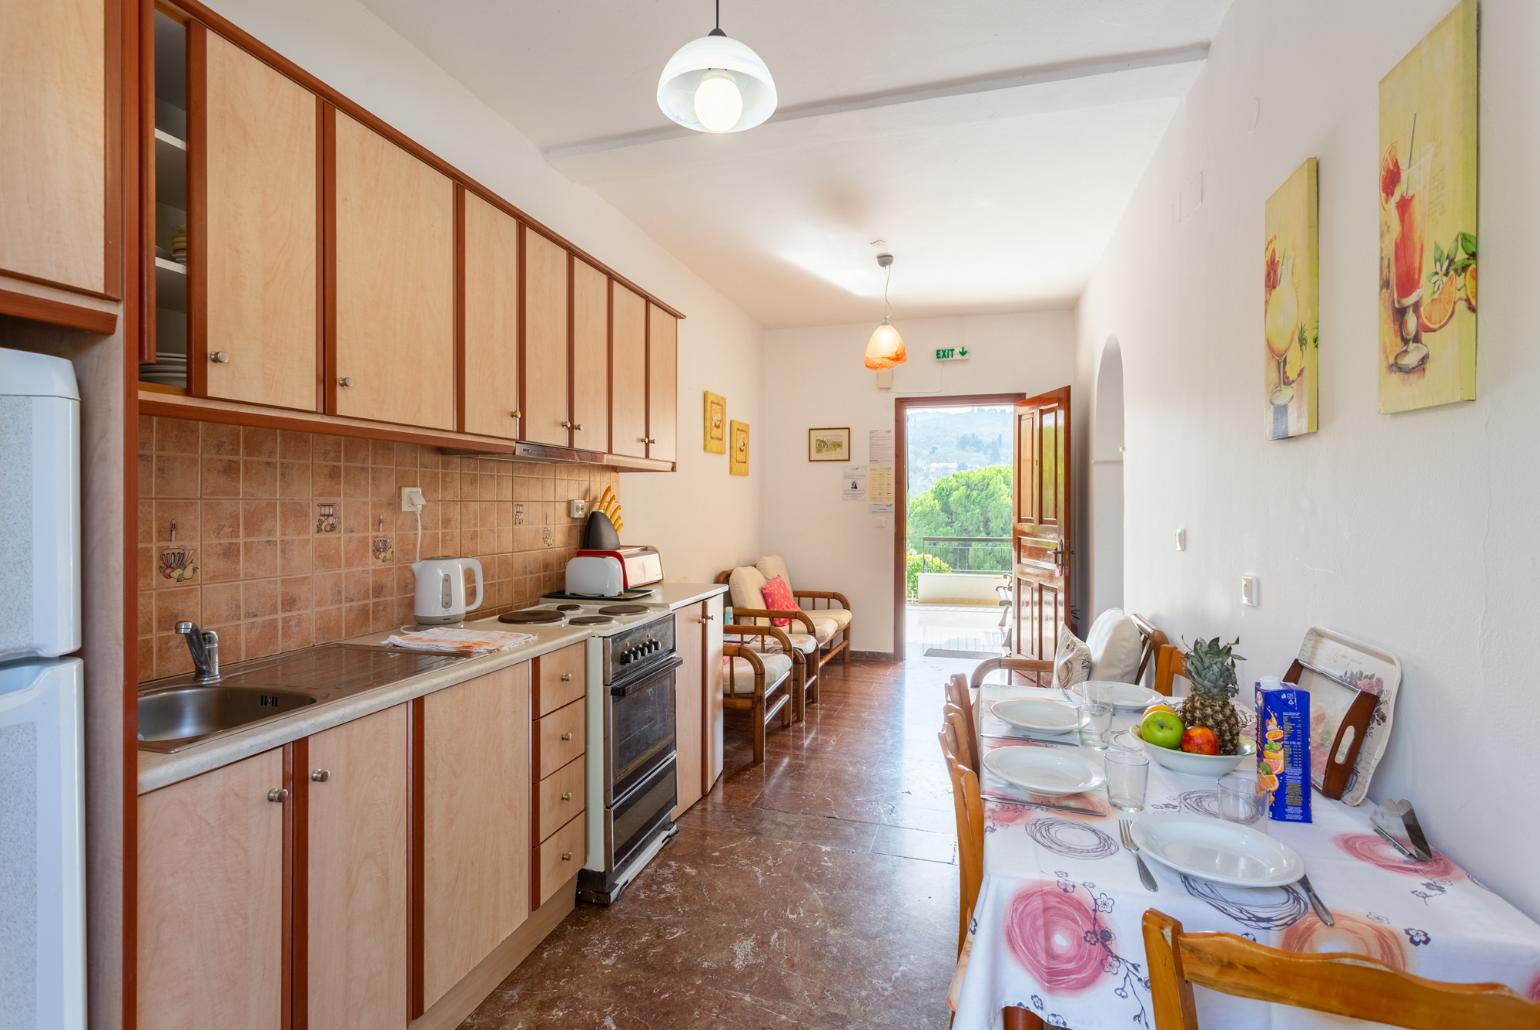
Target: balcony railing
(981, 555)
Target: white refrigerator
(42, 824)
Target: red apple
(1200, 740)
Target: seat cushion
(1115, 644)
(738, 674)
(839, 615)
(804, 642)
(746, 585)
(773, 565)
(824, 629)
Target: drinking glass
(1128, 775)
(1241, 798)
(1126, 740)
(1095, 720)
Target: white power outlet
(577, 507)
(1251, 591)
(411, 498)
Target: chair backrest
(967, 740)
(968, 806)
(1342, 984)
(1153, 639)
(1170, 662)
(1037, 668)
(958, 695)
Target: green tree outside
(973, 502)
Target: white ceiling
(993, 144)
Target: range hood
(556, 455)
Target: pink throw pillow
(777, 595)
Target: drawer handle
(566, 795)
(320, 775)
(345, 382)
(566, 856)
(566, 677)
(278, 794)
(219, 357)
(567, 735)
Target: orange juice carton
(1283, 749)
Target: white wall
(1413, 531)
(814, 377)
(346, 46)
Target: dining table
(1056, 929)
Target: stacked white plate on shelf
(168, 370)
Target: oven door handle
(625, 689)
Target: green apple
(1163, 729)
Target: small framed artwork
(828, 444)
(715, 423)
(738, 456)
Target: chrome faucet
(204, 647)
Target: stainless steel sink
(179, 712)
(170, 720)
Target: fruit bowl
(1195, 764)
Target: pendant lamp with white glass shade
(886, 347)
(716, 84)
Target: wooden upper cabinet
(54, 220)
(210, 900)
(357, 908)
(546, 413)
(491, 320)
(590, 357)
(628, 373)
(392, 280)
(477, 800)
(257, 315)
(662, 386)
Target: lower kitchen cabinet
(356, 939)
(476, 847)
(698, 700)
(210, 900)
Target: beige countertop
(161, 770)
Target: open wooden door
(1040, 540)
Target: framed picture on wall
(828, 444)
(1290, 305)
(738, 456)
(715, 423)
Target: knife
(1321, 911)
(1003, 800)
(1051, 741)
(1391, 840)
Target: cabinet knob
(708, 618)
(578, 426)
(345, 382)
(515, 413)
(566, 795)
(320, 775)
(566, 856)
(219, 357)
(566, 424)
(641, 439)
(278, 794)
(567, 735)
(566, 677)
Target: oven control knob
(653, 646)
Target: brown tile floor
(816, 890)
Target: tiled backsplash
(283, 540)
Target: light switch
(1250, 591)
(1181, 538)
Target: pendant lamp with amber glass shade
(885, 349)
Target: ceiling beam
(973, 86)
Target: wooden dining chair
(1034, 667)
(1343, 984)
(958, 696)
(968, 806)
(1170, 662)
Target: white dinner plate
(1118, 695)
(1045, 770)
(1038, 714)
(1213, 849)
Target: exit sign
(951, 353)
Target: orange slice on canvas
(1438, 309)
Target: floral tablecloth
(1057, 926)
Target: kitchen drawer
(561, 796)
(561, 678)
(561, 856)
(561, 737)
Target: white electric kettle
(441, 589)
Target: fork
(1126, 832)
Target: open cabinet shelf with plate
(167, 363)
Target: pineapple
(1211, 671)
